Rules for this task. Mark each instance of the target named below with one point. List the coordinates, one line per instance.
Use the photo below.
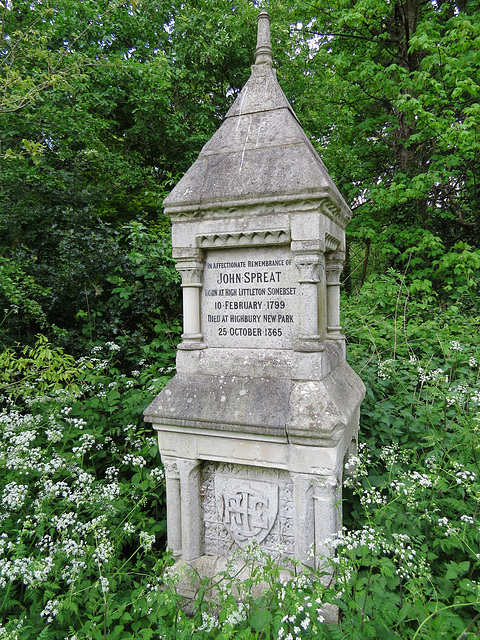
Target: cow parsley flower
(371, 496)
(112, 346)
(104, 584)
(14, 495)
(208, 622)
(238, 616)
(51, 610)
(157, 474)
(135, 461)
(456, 346)
(385, 369)
(146, 540)
(103, 552)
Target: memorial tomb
(254, 427)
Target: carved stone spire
(260, 154)
(263, 52)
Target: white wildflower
(14, 495)
(456, 346)
(146, 540)
(157, 474)
(51, 610)
(208, 622)
(112, 346)
(104, 584)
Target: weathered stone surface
(224, 403)
(322, 410)
(249, 298)
(259, 153)
(263, 363)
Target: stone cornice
(255, 207)
(331, 242)
(244, 239)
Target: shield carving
(247, 508)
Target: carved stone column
(334, 266)
(263, 52)
(191, 270)
(311, 266)
(327, 499)
(304, 519)
(190, 509)
(174, 522)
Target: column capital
(191, 275)
(333, 269)
(309, 266)
(171, 468)
(191, 270)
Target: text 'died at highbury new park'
(250, 298)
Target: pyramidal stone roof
(259, 155)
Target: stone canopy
(260, 154)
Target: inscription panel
(250, 298)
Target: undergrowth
(82, 502)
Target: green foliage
(80, 499)
(102, 285)
(21, 296)
(101, 103)
(42, 367)
(82, 494)
(388, 92)
(139, 303)
(102, 107)
(416, 478)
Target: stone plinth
(254, 428)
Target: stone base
(213, 568)
(255, 456)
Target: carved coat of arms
(247, 508)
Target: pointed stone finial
(263, 52)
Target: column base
(309, 343)
(192, 342)
(190, 575)
(335, 333)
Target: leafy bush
(138, 302)
(20, 297)
(92, 284)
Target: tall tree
(102, 103)
(390, 93)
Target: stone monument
(254, 427)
